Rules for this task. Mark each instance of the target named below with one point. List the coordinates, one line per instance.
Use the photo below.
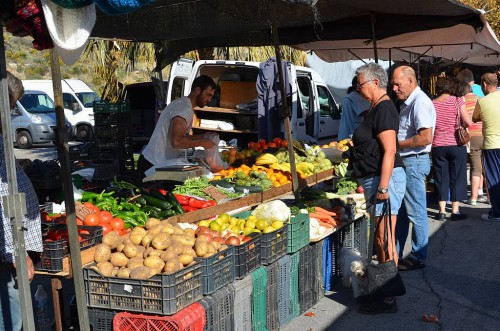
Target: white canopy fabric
(460, 43)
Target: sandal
(410, 264)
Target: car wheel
(23, 140)
(84, 133)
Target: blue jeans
(10, 309)
(414, 208)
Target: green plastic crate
(294, 286)
(259, 279)
(298, 232)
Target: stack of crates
(242, 304)
(113, 135)
(310, 275)
(272, 322)
(284, 289)
(356, 235)
(259, 298)
(219, 309)
(294, 286)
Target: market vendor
(171, 134)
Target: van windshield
(37, 103)
(87, 98)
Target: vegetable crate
(111, 118)
(51, 259)
(217, 270)
(284, 286)
(310, 275)
(161, 294)
(242, 304)
(259, 281)
(101, 319)
(356, 235)
(294, 287)
(273, 245)
(272, 322)
(191, 318)
(298, 232)
(247, 256)
(112, 131)
(219, 309)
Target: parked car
(34, 120)
(78, 100)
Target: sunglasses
(358, 85)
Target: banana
(266, 159)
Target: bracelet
(382, 190)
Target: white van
(78, 100)
(315, 113)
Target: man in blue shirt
(417, 120)
(353, 107)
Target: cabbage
(271, 211)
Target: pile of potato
(159, 247)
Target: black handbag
(384, 279)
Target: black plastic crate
(219, 309)
(99, 319)
(247, 256)
(45, 181)
(217, 270)
(307, 267)
(112, 118)
(307, 299)
(273, 245)
(55, 251)
(161, 294)
(83, 151)
(113, 107)
(113, 131)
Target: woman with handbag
(449, 153)
(376, 164)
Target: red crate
(191, 318)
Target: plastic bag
(212, 155)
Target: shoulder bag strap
(374, 226)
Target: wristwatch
(382, 190)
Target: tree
(492, 8)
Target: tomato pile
(102, 218)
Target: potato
(155, 230)
(154, 262)
(130, 250)
(172, 265)
(177, 248)
(120, 247)
(119, 259)
(136, 237)
(211, 249)
(140, 273)
(215, 244)
(178, 230)
(112, 239)
(155, 252)
(189, 251)
(135, 262)
(139, 229)
(140, 249)
(105, 268)
(167, 229)
(168, 255)
(114, 272)
(161, 241)
(185, 259)
(146, 240)
(184, 240)
(222, 247)
(127, 240)
(151, 222)
(102, 253)
(123, 273)
(189, 232)
(201, 249)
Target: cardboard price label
(81, 211)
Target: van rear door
(179, 79)
(329, 113)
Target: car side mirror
(76, 107)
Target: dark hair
(446, 85)
(465, 76)
(463, 88)
(203, 82)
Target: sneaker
(440, 216)
(379, 307)
(458, 217)
(482, 198)
(488, 217)
(472, 202)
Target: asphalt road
(43, 152)
(460, 285)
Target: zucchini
(250, 189)
(152, 211)
(155, 202)
(175, 204)
(158, 195)
(221, 183)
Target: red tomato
(277, 141)
(105, 216)
(272, 144)
(262, 142)
(117, 224)
(91, 207)
(91, 220)
(284, 144)
(105, 228)
(250, 145)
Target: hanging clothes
(269, 98)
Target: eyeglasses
(358, 85)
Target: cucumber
(175, 204)
(221, 183)
(155, 202)
(250, 189)
(158, 195)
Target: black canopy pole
(373, 21)
(286, 114)
(14, 204)
(69, 200)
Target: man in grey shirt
(416, 128)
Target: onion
(233, 241)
